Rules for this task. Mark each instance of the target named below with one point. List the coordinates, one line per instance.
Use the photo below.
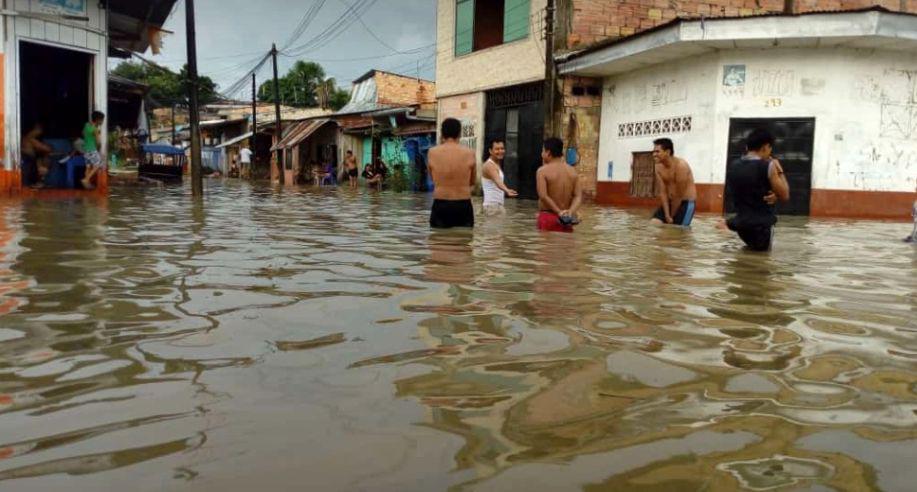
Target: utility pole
(173, 123)
(278, 125)
(253, 143)
(549, 70)
(197, 178)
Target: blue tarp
(162, 149)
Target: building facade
(489, 75)
(53, 67)
(581, 99)
(839, 90)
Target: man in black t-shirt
(756, 181)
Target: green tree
(167, 87)
(297, 86)
(339, 99)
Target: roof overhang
(133, 24)
(872, 29)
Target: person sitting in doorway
(375, 174)
(34, 153)
(92, 140)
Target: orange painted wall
(823, 203)
(2, 111)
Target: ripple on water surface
(268, 339)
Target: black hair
(666, 144)
(490, 145)
(758, 138)
(554, 146)
(350, 152)
(98, 115)
(451, 128)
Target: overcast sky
(232, 34)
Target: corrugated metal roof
(300, 132)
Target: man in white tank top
(492, 184)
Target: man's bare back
(560, 184)
(453, 169)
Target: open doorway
(55, 87)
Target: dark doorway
(516, 115)
(55, 89)
(795, 138)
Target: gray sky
(232, 34)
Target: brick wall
(397, 89)
(590, 21)
(588, 111)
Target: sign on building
(63, 7)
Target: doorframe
(14, 126)
(814, 121)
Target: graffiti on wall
(469, 134)
(665, 93)
(773, 83)
(895, 90)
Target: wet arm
(779, 185)
(663, 195)
(472, 173)
(577, 197)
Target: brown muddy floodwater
(327, 340)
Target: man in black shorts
(756, 181)
(453, 169)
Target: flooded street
(322, 339)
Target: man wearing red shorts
(560, 193)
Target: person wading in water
(453, 169)
(560, 193)
(756, 181)
(675, 186)
(495, 190)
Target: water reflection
(265, 333)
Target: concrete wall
(469, 109)
(500, 66)
(864, 103)
(33, 24)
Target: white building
(838, 89)
(54, 63)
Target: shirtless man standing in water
(674, 186)
(560, 193)
(350, 168)
(453, 168)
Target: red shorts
(549, 221)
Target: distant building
(389, 116)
